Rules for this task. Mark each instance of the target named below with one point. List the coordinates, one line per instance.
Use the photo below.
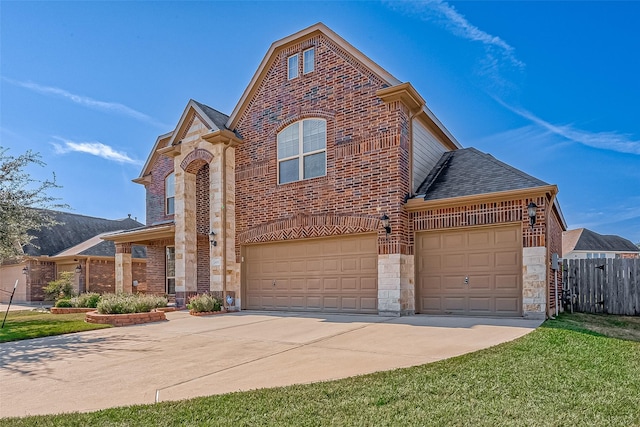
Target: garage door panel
(482, 239)
(482, 260)
(506, 282)
(480, 305)
(492, 259)
(452, 241)
(508, 306)
(480, 283)
(335, 274)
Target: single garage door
(326, 275)
(470, 272)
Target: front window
(170, 193)
(308, 60)
(292, 67)
(302, 151)
(170, 272)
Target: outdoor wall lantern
(531, 209)
(385, 223)
(212, 238)
(78, 269)
(25, 270)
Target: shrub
(203, 303)
(61, 288)
(89, 300)
(129, 303)
(64, 303)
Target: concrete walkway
(191, 356)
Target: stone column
(389, 279)
(185, 238)
(123, 267)
(215, 222)
(534, 282)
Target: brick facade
(366, 153)
(156, 210)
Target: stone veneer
(396, 294)
(534, 282)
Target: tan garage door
(328, 275)
(470, 272)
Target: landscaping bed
(125, 319)
(70, 310)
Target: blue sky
(548, 87)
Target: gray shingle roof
(108, 248)
(72, 230)
(592, 241)
(468, 172)
(220, 119)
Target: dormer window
(292, 67)
(302, 150)
(170, 193)
(308, 60)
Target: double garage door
(324, 275)
(470, 272)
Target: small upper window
(302, 150)
(170, 193)
(308, 60)
(292, 67)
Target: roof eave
(418, 203)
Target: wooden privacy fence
(601, 285)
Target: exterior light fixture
(25, 270)
(385, 223)
(212, 238)
(531, 209)
(78, 269)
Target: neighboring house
(332, 187)
(74, 245)
(582, 243)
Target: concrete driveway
(191, 356)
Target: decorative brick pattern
(195, 160)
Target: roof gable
(72, 230)
(468, 172)
(583, 239)
(212, 118)
(278, 46)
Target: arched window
(302, 150)
(170, 193)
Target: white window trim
(304, 63)
(301, 154)
(289, 69)
(166, 195)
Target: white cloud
(94, 148)
(613, 141)
(111, 107)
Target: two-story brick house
(332, 187)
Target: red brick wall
(139, 273)
(155, 271)
(155, 190)
(40, 274)
(102, 276)
(367, 145)
(554, 239)
(203, 271)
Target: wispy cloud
(499, 55)
(613, 141)
(110, 107)
(94, 148)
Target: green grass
(22, 325)
(564, 373)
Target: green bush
(61, 288)
(129, 303)
(64, 303)
(204, 303)
(89, 300)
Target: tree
(23, 203)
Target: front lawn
(563, 373)
(22, 325)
